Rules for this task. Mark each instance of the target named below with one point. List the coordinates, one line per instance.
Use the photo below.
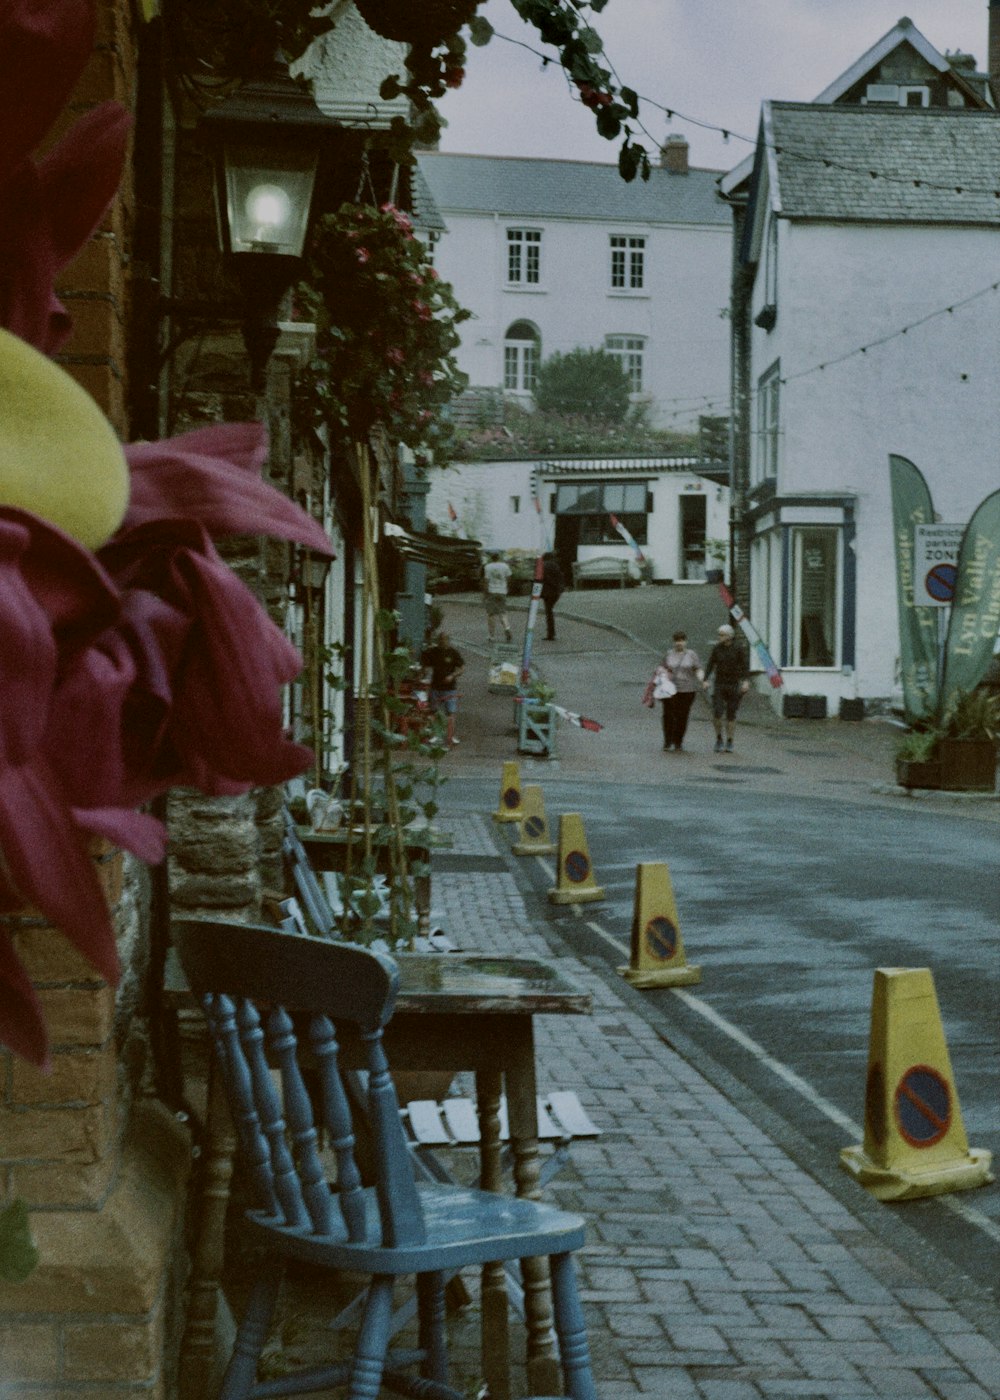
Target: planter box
(536, 729)
(794, 706)
(852, 709)
(815, 707)
(911, 774)
(968, 765)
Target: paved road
(797, 872)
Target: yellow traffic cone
(657, 947)
(575, 883)
(509, 806)
(536, 839)
(915, 1143)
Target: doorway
(567, 542)
(693, 517)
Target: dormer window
(898, 95)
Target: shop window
(815, 594)
(768, 425)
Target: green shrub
(589, 382)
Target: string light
(808, 157)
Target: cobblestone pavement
(715, 1267)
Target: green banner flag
(975, 613)
(918, 626)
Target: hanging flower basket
(416, 21)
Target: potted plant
(536, 719)
(917, 762)
(715, 560)
(968, 744)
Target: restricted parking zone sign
(935, 564)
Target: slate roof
(517, 187)
(955, 147)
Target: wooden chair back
(274, 1001)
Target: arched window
(522, 349)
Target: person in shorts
(496, 581)
(445, 666)
(729, 664)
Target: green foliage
(972, 714)
(524, 434)
(386, 332)
(919, 746)
(591, 383)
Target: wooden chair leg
(373, 1342)
(431, 1291)
(241, 1373)
(571, 1330)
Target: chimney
(993, 45)
(674, 153)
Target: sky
(714, 62)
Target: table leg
(495, 1314)
(197, 1359)
(544, 1371)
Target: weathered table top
(470, 983)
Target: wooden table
(454, 1012)
(327, 850)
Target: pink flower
(395, 356)
(363, 256)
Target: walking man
(445, 665)
(553, 584)
(730, 665)
(496, 578)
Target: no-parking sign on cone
(575, 883)
(535, 837)
(915, 1143)
(509, 806)
(657, 947)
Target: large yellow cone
(536, 839)
(509, 806)
(657, 947)
(575, 881)
(915, 1143)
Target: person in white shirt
(496, 578)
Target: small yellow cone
(509, 806)
(657, 947)
(536, 839)
(915, 1143)
(575, 883)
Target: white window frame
(798, 544)
(771, 263)
(768, 435)
(521, 358)
(630, 352)
(627, 264)
(524, 257)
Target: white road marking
(969, 1214)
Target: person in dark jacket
(729, 664)
(444, 665)
(553, 584)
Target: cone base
(505, 816)
(888, 1184)
(584, 896)
(523, 848)
(681, 976)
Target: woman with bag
(675, 684)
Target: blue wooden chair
(271, 999)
